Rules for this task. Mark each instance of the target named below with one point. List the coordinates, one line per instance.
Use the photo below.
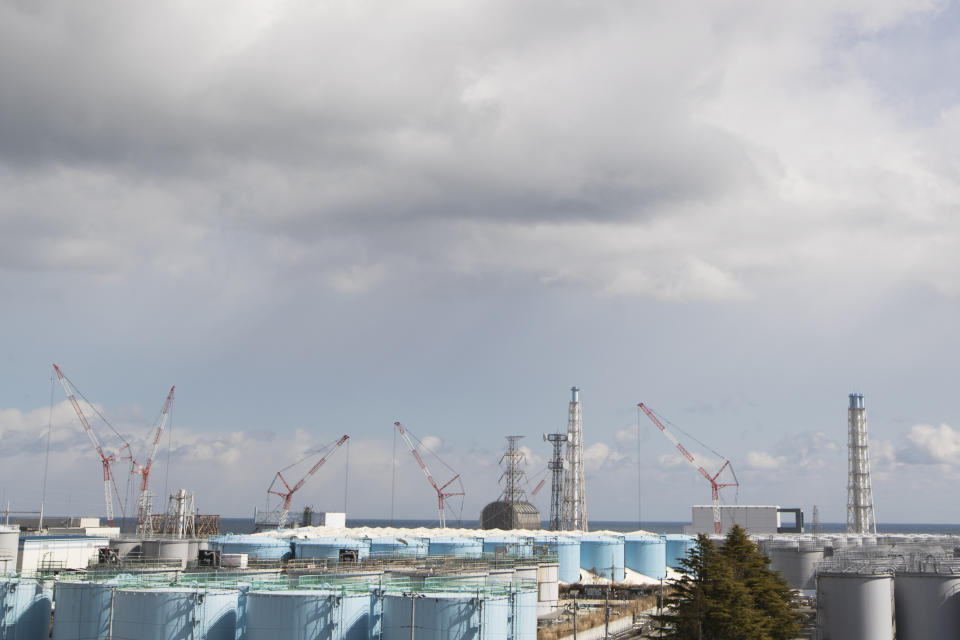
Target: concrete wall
(756, 519)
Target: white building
(58, 552)
(755, 518)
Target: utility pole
(574, 617)
(606, 613)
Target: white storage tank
(9, 545)
(853, 606)
(523, 621)
(164, 613)
(306, 613)
(127, 547)
(83, 610)
(548, 588)
(167, 550)
(447, 616)
(507, 545)
(927, 605)
(24, 609)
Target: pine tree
(728, 593)
(771, 594)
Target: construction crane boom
(105, 460)
(442, 495)
(287, 496)
(712, 479)
(144, 499)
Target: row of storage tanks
(118, 611)
(606, 555)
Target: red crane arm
(423, 465)
(155, 443)
(83, 419)
(288, 494)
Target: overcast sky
(317, 218)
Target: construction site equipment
(442, 493)
(109, 484)
(712, 479)
(278, 517)
(145, 498)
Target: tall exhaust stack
(574, 493)
(860, 518)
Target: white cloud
(764, 461)
(928, 444)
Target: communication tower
(513, 474)
(574, 493)
(860, 517)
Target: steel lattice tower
(860, 517)
(556, 465)
(574, 494)
(512, 476)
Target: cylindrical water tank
(854, 606)
(523, 622)
(678, 545)
(927, 606)
(255, 547)
(83, 610)
(797, 563)
(500, 576)
(441, 616)
(646, 554)
(405, 547)
(9, 546)
(567, 551)
(602, 555)
(548, 588)
(126, 547)
(306, 613)
(24, 609)
(460, 547)
(167, 550)
(332, 548)
(507, 545)
(160, 614)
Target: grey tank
(853, 606)
(927, 606)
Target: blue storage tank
(24, 609)
(307, 613)
(399, 546)
(164, 613)
(443, 616)
(646, 554)
(602, 555)
(83, 610)
(508, 545)
(523, 624)
(330, 548)
(678, 545)
(460, 547)
(567, 551)
(256, 547)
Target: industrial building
(756, 519)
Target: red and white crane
(286, 494)
(442, 493)
(106, 460)
(145, 499)
(712, 479)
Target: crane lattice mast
(105, 460)
(442, 494)
(145, 498)
(714, 485)
(287, 496)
